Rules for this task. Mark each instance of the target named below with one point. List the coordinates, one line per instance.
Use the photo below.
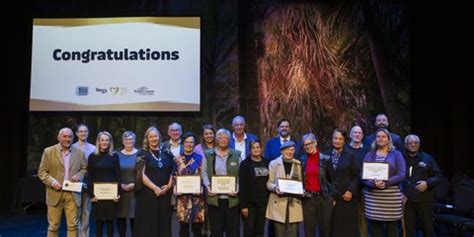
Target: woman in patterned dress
(189, 207)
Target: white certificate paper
(223, 184)
(290, 186)
(375, 170)
(72, 186)
(188, 184)
(105, 191)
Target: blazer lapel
(280, 168)
(59, 155)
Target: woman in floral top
(189, 207)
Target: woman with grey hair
(224, 214)
(126, 206)
(383, 198)
(283, 208)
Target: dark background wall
(440, 68)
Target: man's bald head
(65, 137)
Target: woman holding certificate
(190, 202)
(220, 173)
(284, 205)
(152, 201)
(103, 170)
(383, 198)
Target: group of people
(336, 201)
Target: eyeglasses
(308, 144)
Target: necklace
(160, 163)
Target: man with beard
(381, 121)
(272, 148)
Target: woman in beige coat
(285, 209)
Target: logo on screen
(101, 90)
(144, 91)
(114, 90)
(82, 90)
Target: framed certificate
(375, 170)
(290, 186)
(106, 191)
(223, 184)
(188, 184)
(72, 186)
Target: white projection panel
(116, 64)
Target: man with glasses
(272, 148)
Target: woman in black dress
(153, 200)
(103, 166)
(345, 216)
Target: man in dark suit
(381, 121)
(272, 148)
(240, 140)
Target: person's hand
(56, 186)
(379, 184)
(157, 191)
(233, 194)
(165, 188)
(421, 186)
(124, 187)
(333, 202)
(405, 199)
(117, 199)
(75, 178)
(347, 196)
(131, 186)
(277, 190)
(209, 193)
(94, 199)
(245, 212)
(180, 160)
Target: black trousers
(317, 211)
(224, 219)
(419, 212)
(184, 229)
(99, 228)
(377, 228)
(122, 226)
(254, 224)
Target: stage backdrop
(320, 65)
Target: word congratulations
(114, 55)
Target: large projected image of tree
(327, 66)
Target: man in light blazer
(58, 163)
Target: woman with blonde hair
(383, 198)
(103, 166)
(153, 197)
